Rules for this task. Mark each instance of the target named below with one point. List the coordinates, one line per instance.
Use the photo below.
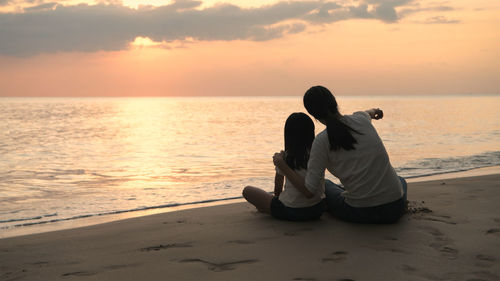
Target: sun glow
(141, 42)
(137, 4)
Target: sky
(248, 48)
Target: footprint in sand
(452, 252)
(393, 250)
(177, 221)
(166, 246)
(13, 275)
(40, 263)
(244, 242)
(386, 248)
(430, 216)
(408, 269)
(220, 266)
(433, 231)
(338, 256)
(90, 273)
(441, 242)
(119, 266)
(79, 273)
(484, 276)
(485, 260)
(449, 252)
(494, 231)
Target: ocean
(63, 159)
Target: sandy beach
(452, 232)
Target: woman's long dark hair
(321, 104)
(299, 136)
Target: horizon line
(262, 96)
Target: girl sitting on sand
(292, 203)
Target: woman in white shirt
(351, 150)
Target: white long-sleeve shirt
(365, 172)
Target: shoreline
(451, 233)
(111, 217)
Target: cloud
(418, 9)
(439, 20)
(18, 3)
(40, 7)
(384, 10)
(51, 27)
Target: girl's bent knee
(246, 191)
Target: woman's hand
(378, 114)
(375, 113)
(279, 159)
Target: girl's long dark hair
(299, 136)
(321, 104)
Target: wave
(108, 213)
(436, 166)
(29, 219)
(420, 168)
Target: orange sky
(435, 50)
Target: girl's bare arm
(278, 184)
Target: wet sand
(452, 232)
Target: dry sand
(451, 233)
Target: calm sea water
(63, 159)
